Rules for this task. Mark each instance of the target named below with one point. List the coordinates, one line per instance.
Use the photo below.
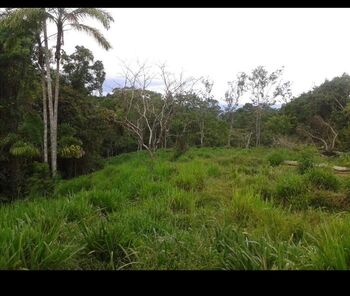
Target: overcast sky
(313, 44)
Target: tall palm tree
(62, 17)
(73, 18)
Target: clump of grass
(334, 201)
(213, 170)
(106, 242)
(74, 185)
(276, 158)
(290, 191)
(182, 202)
(242, 252)
(191, 177)
(289, 186)
(180, 148)
(106, 201)
(346, 186)
(332, 246)
(306, 162)
(29, 247)
(323, 179)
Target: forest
(169, 179)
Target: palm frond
(101, 15)
(93, 32)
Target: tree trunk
(55, 113)
(258, 127)
(43, 84)
(202, 133)
(230, 132)
(49, 88)
(248, 141)
(44, 116)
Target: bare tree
(148, 115)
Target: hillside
(210, 209)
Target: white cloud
(312, 43)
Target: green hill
(210, 209)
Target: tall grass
(207, 209)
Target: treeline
(132, 117)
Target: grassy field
(210, 209)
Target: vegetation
(130, 215)
(168, 179)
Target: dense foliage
(131, 118)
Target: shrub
(323, 179)
(289, 186)
(290, 191)
(306, 162)
(40, 183)
(329, 200)
(347, 186)
(275, 158)
(180, 148)
(108, 243)
(213, 170)
(73, 186)
(241, 251)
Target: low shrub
(40, 183)
(323, 179)
(275, 158)
(306, 162)
(329, 200)
(289, 186)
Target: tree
(82, 72)
(146, 114)
(322, 131)
(266, 88)
(61, 17)
(236, 89)
(70, 17)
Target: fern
(24, 149)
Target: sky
(312, 44)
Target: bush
(290, 186)
(213, 171)
(73, 186)
(108, 243)
(275, 158)
(40, 183)
(290, 190)
(329, 200)
(323, 179)
(180, 148)
(306, 163)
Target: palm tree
(62, 17)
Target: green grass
(209, 209)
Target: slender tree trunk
(230, 132)
(49, 92)
(44, 89)
(248, 142)
(44, 116)
(258, 127)
(202, 133)
(55, 111)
